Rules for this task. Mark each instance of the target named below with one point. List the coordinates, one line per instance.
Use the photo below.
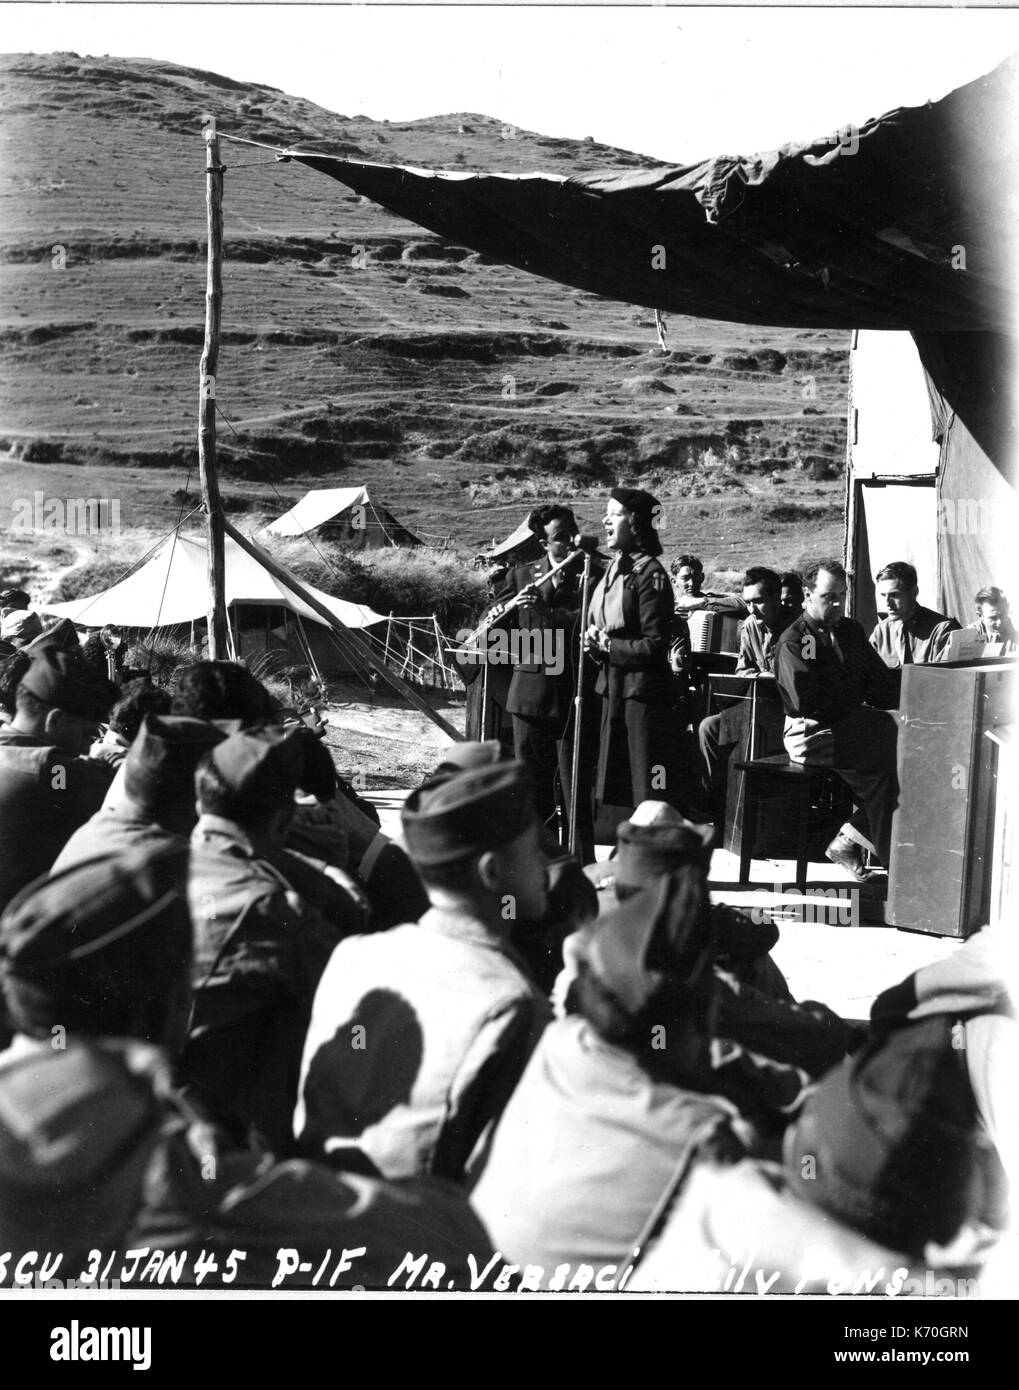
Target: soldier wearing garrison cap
(100, 1151)
(755, 1006)
(48, 787)
(617, 1096)
(20, 626)
(261, 936)
(419, 1034)
(156, 804)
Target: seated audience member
(222, 690)
(791, 595)
(260, 944)
(11, 600)
(836, 691)
(13, 666)
(720, 734)
(341, 826)
(973, 988)
(886, 1171)
(100, 954)
(910, 633)
(20, 626)
(755, 1006)
(137, 699)
(63, 636)
(419, 1034)
(157, 802)
(994, 621)
(617, 1098)
(48, 787)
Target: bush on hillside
(402, 580)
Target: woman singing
(629, 635)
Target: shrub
(406, 581)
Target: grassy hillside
(358, 348)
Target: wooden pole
(218, 634)
(354, 639)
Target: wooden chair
(800, 786)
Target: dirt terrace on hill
(358, 348)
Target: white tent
(348, 512)
(173, 588)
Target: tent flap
(906, 223)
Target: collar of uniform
(211, 829)
(465, 927)
(819, 629)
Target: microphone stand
(578, 705)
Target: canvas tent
(171, 590)
(347, 514)
(905, 224)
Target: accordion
(715, 632)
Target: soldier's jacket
(260, 947)
(539, 687)
(46, 793)
(99, 1156)
(115, 831)
(634, 604)
(417, 1038)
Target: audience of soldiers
(236, 1017)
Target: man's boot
(849, 855)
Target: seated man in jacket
(888, 1186)
(836, 692)
(721, 734)
(260, 943)
(335, 823)
(101, 1155)
(48, 786)
(419, 1034)
(909, 633)
(754, 1005)
(156, 805)
(617, 1098)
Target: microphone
(589, 544)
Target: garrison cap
(13, 598)
(662, 930)
(468, 813)
(111, 924)
(160, 764)
(21, 625)
(264, 765)
(653, 842)
(66, 681)
(897, 1146)
(463, 757)
(61, 634)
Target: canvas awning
(172, 587)
(906, 223)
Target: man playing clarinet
(543, 645)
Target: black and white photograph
(508, 785)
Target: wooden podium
(941, 872)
